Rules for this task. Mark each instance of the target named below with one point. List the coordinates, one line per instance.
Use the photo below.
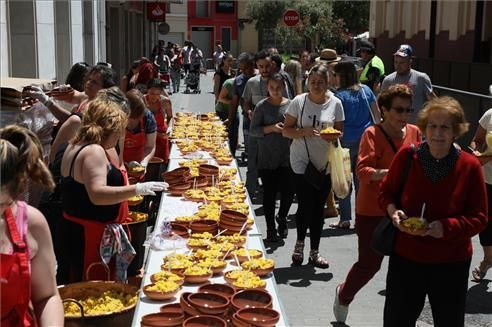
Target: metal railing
(474, 105)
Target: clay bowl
(262, 272)
(251, 298)
(208, 170)
(206, 225)
(209, 303)
(261, 317)
(178, 189)
(172, 307)
(186, 305)
(174, 180)
(236, 322)
(233, 217)
(156, 160)
(198, 279)
(177, 271)
(224, 162)
(233, 221)
(179, 229)
(199, 182)
(154, 279)
(228, 279)
(243, 258)
(231, 232)
(230, 228)
(180, 171)
(159, 296)
(162, 319)
(204, 321)
(221, 289)
(218, 270)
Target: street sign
(163, 28)
(291, 17)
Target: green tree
(355, 15)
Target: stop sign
(291, 17)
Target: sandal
(341, 224)
(298, 254)
(479, 274)
(318, 261)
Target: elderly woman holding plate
(434, 259)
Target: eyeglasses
(401, 110)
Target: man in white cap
(419, 82)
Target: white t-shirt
(320, 116)
(486, 123)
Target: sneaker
(339, 310)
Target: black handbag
(312, 175)
(383, 238)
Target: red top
(375, 152)
(135, 144)
(162, 140)
(459, 201)
(15, 274)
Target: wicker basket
(76, 291)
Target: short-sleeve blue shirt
(357, 111)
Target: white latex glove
(37, 93)
(149, 188)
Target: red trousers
(368, 263)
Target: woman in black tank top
(223, 73)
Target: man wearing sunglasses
(419, 82)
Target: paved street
(307, 293)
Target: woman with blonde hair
(294, 69)
(26, 252)
(94, 188)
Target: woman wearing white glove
(94, 189)
(59, 112)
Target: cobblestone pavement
(307, 293)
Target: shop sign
(156, 11)
(226, 7)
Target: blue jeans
(345, 205)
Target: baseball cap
(366, 45)
(404, 50)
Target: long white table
(170, 208)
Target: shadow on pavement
(271, 247)
(300, 276)
(338, 324)
(330, 232)
(479, 298)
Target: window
(226, 38)
(201, 8)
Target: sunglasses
(401, 110)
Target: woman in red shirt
(377, 148)
(26, 252)
(433, 261)
(160, 105)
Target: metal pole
(290, 41)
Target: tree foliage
(326, 22)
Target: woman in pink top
(27, 274)
(378, 145)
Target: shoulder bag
(383, 238)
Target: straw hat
(328, 55)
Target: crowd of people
(402, 146)
(404, 157)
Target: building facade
(210, 22)
(452, 40)
(43, 38)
